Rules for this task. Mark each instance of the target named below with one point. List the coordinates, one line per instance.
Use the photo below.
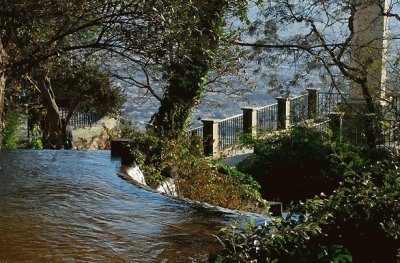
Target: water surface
(73, 206)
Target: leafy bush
(147, 152)
(280, 240)
(11, 139)
(35, 140)
(202, 180)
(358, 222)
(196, 177)
(250, 188)
(365, 211)
(294, 166)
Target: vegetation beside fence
(344, 224)
(294, 165)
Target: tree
(192, 37)
(344, 42)
(34, 31)
(71, 84)
(178, 41)
(83, 85)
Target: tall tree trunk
(3, 62)
(183, 93)
(189, 69)
(52, 134)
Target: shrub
(358, 222)
(365, 211)
(294, 166)
(280, 240)
(11, 139)
(35, 140)
(202, 180)
(196, 177)
(147, 152)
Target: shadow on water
(71, 206)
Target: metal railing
(229, 131)
(267, 118)
(298, 109)
(354, 131)
(328, 102)
(195, 132)
(322, 126)
(81, 119)
(390, 138)
(261, 121)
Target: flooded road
(73, 206)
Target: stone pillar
(283, 113)
(336, 124)
(313, 103)
(250, 120)
(370, 44)
(210, 137)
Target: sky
(140, 107)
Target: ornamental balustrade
(220, 135)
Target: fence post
(210, 137)
(313, 103)
(336, 124)
(250, 120)
(283, 113)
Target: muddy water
(72, 206)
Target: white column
(370, 44)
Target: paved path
(237, 157)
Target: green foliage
(346, 226)
(11, 138)
(196, 177)
(198, 28)
(83, 85)
(146, 151)
(250, 188)
(35, 141)
(364, 207)
(294, 166)
(280, 240)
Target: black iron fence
(267, 118)
(81, 119)
(229, 131)
(290, 112)
(328, 102)
(299, 109)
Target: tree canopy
(321, 39)
(174, 42)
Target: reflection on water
(71, 206)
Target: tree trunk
(172, 116)
(370, 116)
(183, 93)
(52, 134)
(2, 91)
(189, 69)
(2, 88)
